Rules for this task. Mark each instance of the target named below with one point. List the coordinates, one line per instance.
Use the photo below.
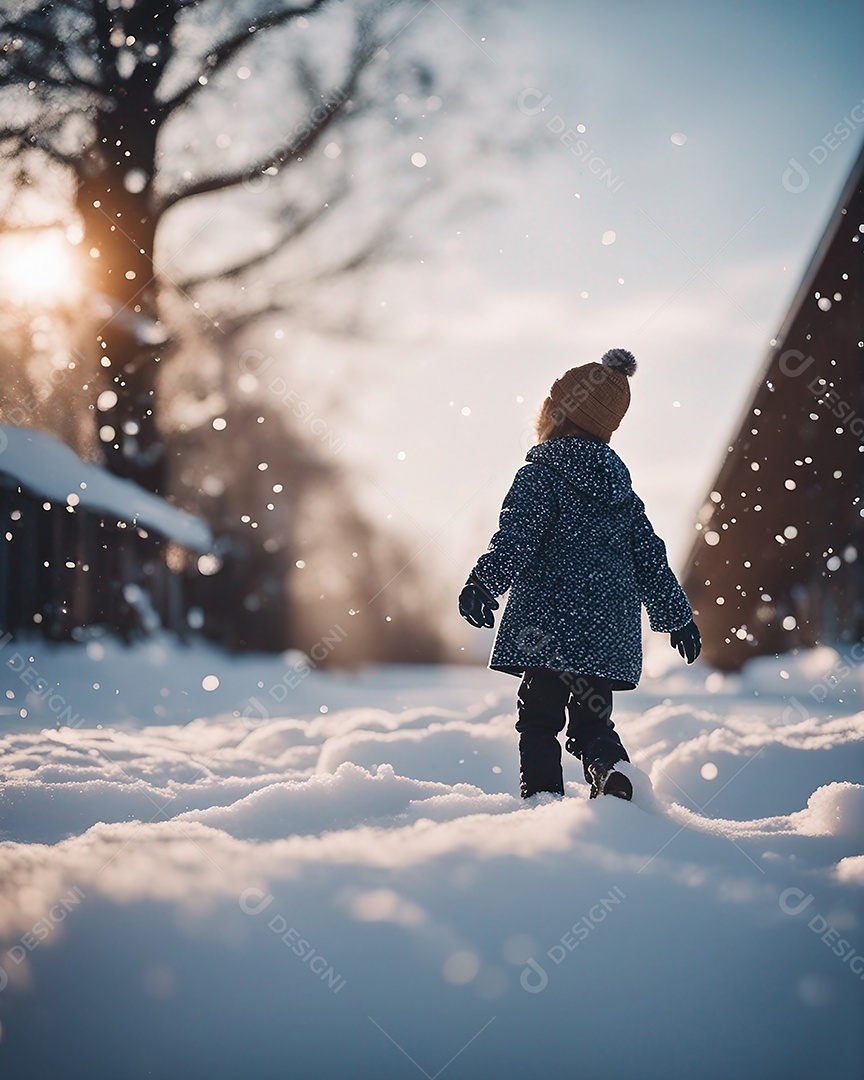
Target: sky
(696, 109)
(687, 248)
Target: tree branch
(296, 228)
(229, 48)
(15, 26)
(7, 229)
(379, 244)
(54, 50)
(233, 325)
(332, 109)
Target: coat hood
(591, 467)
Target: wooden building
(83, 551)
(778, 561)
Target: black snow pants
(548, 699)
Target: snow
(193, 887)
(51, 470)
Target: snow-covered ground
(300, 874)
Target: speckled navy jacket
(580, 557)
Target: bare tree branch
(6, 229)
(296, 227)
(84, 84)
(229, 48)
(233, 325)
(54, 51)
(332, 109)
(48, 40)
(380, 244)
(18, 143)
(292, 301)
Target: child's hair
(553, 423)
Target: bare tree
(116, 93)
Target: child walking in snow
(579, 556)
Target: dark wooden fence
(67, 571)
(62, 570)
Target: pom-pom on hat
(595, 397)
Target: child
(580, 557)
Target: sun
(39, 269)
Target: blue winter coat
(580, 557)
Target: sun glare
(38, 269)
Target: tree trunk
(128, 362)
(114, 200)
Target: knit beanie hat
(596, 396)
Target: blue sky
(501, 297)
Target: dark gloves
(476, 603)
(688, 641)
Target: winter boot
(606, 781)
(599, 753)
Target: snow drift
(359, 892)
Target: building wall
(779, 557)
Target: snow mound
(835, 810)
(643, 792)
(851, 870)
(363, 865)
(349, 797)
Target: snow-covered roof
(48, 468)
